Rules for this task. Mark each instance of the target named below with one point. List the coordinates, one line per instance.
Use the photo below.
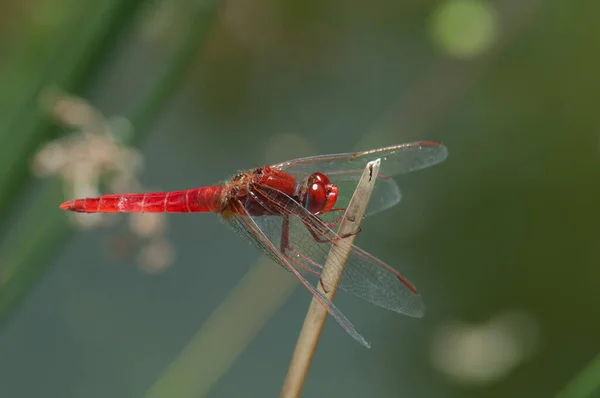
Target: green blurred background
(501, 239)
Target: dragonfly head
(321, 194)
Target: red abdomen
(188, 201)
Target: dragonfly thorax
(260, 189)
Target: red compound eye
(321, 195)
(320, 177)
(316, 196)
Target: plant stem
(332, 273)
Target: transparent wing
(345, 169)
(246, 226)
(397, 159)
(386, 192)
(305, 241)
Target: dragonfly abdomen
(187, 201)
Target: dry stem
(332, 273)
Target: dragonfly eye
(321, 194)
(316, 197)
(320, 177)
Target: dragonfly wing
(345, 169)
(373, 280)
(266, 239)
(397, 159)
(386, 192)
(307, 243)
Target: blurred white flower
(95, 153)
(147, 225)
(484, 353)
(156, 256)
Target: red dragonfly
(290, 212)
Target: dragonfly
(291, 210)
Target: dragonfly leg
(315, 225)
(315, 232)
(285, 248)
(285, 236)
(334, 224)
(349, 234)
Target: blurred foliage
(24, 250)
(83, 39)
(508, 223)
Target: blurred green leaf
(30, 245)
(586, 384)
(85, 46)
